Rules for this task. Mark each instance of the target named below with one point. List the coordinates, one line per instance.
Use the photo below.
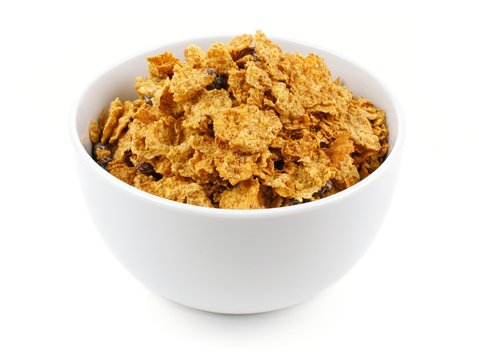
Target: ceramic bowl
(234, 261)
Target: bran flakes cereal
(242, 125)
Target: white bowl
(234, 261)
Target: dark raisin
(296, 135)
(297, 202)
(326, 188)
(128, 159)
(268, 95)
(247, 51)
(211, 130)
(211, 71)
(279, 164)
(98, 146)
(148, 169)
(148, 100)
(104, 161)
(220, 81)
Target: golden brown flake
(114, 114)
(257, 77)
(129, 110)
(270, 54)
(94, 131)
(162, 65)
(247, 129)
(210, 106)
(148, 86)
(245, 195)
(234, 166)
(239, 43)
(238, 87)
(195, 57)
(122, 171)
(219, 59)
(287, 104)
(187, 82)
(178, 189)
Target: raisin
(211, 130)
(297, 135)
(148, 100)
(327, 187)
(279, 164)
(148, 169)
(268, 95)
(246, 51)
(211, 71)
(128, 159)
(98, 146)
(220, 81)
(104, 161)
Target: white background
(413, 296)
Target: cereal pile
(242, 125)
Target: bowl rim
(237, 213)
